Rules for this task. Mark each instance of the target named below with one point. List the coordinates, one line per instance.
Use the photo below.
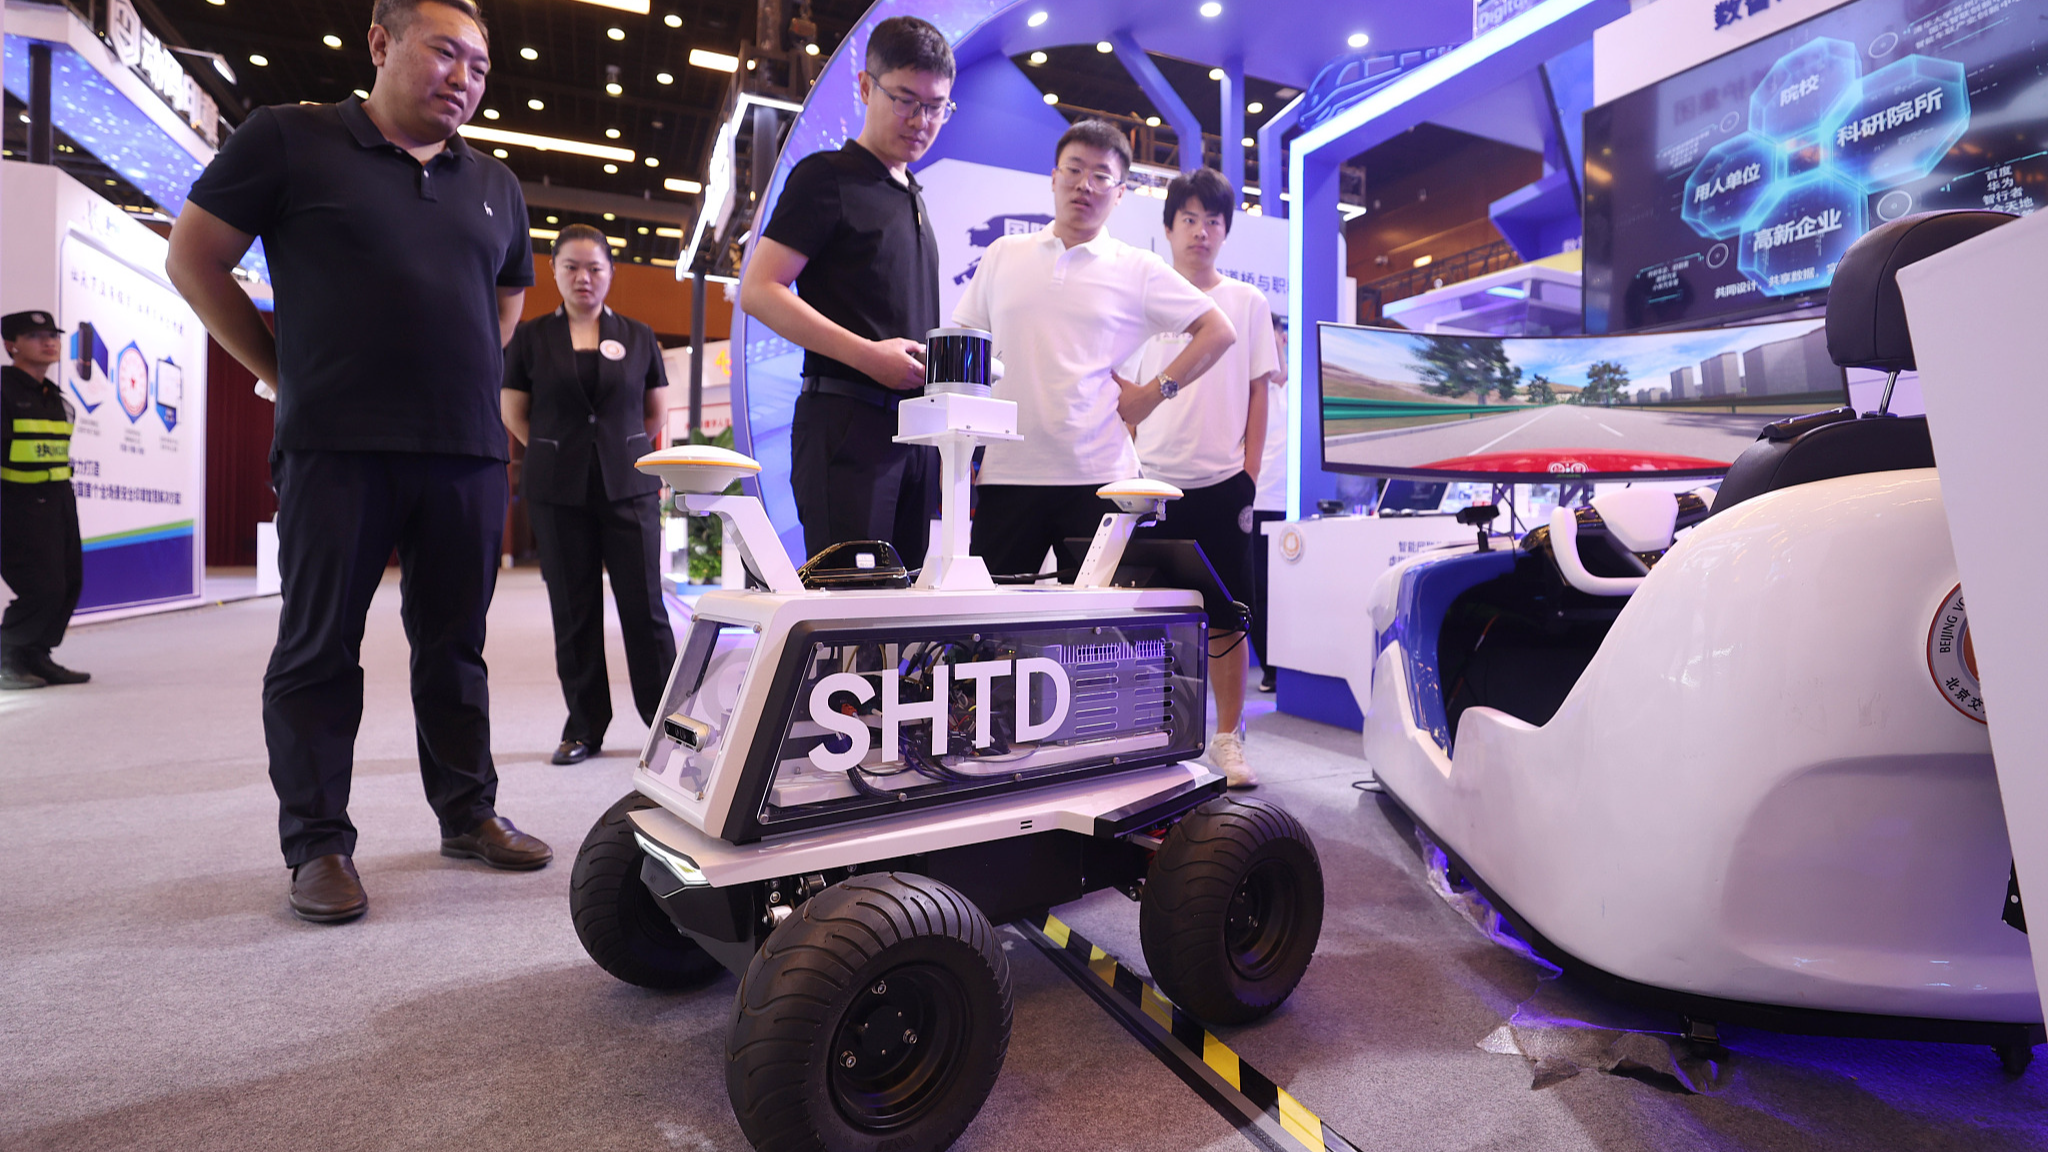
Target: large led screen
(1733, 189)
(1539, 408)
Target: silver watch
(1168, 387)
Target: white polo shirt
(1063, 318)
(1196, 439)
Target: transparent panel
(879, 720)
(710, 675)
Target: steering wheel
(1635, 525)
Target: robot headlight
(680, 866)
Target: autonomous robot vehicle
(860, 770)
(1728, 757)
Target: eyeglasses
(1094, 181)
(908, 107)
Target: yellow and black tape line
(1261, 1110)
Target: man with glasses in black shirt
(851, 233)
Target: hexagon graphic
(1800, 233)
(1804, 90)
(1905, 118)
(1729, 184)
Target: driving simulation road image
(1670, 402)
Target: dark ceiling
(670, 123)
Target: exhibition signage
(140, 50)
(135, 372)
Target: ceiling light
(613, 90)
(616, 241)
(611, 133)
(716, 61)
(664, 77)
(218, 3)
(260, 61)
(529, 53)
(1037, 18)
(1052, 98)
(1038, 57)
(536, 104)
(1104, 46)
(654, 161)
(611, 169)
(686, 187)
(543, 233)
(670, 233)
(1215, 73)
(490, 113)
(331, 40)
(1212, 9)
(362, 95)
(643, 229)
(1254, 108)
(1151, 121)
(1249, 142)
(611, 216)
(546, 143)
(1423, 261)
(636, 7)
(554, 219)
(672, 20)
(810, 49)
(500, 153)
(1358, 40)
(616, 33)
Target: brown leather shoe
(497, 843)
(326, 890)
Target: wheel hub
(897, 1046)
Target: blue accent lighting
(1801, 233)
(1906, 117)
(1804, 90)
(1729, 185)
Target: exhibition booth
(1639, 722)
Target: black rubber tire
(616, 917)
(902, 951)
(1232, 910)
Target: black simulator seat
(1866, 328)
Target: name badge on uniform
(612, 350)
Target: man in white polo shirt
(1208, 443)
(1066, 305)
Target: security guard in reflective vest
(39, 546)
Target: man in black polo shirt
(400, 259)
(850, 231)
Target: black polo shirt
(873, 259)
(386, 274)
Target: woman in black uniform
(584, 391)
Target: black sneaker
(1268, 681)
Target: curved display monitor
(1732, 189)
(1534, 409)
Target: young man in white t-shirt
(1209, 442)
(1067, 304)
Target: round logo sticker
(1952, 657)
(1291, 545)
(131, 382)
(612, 350)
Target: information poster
(135, 371)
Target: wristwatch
(1168, 387)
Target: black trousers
(1261, 580)
(853, 482)
(1015, 523)
(577, 542)
(339, 515)
(41, 562)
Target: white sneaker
(1226, 752)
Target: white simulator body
(1755, 791)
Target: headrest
(1866, 317)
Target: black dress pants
(852, 481)
(339, 516)
(41, 561)
(1015, 523)
(577, 542)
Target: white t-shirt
(1062, 318)
(1272, 495)
(1197, 438)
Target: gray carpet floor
(156, 993)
